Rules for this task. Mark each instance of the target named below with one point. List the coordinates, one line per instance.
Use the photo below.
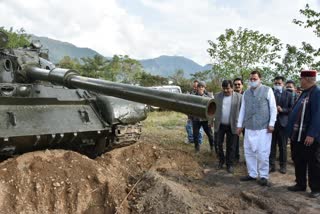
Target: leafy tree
(67, 62)
(94, 67)
(130, 70)
(178, 78)
(202, 75)
(236, 53)
(147, 79)
(312, 19)
(306, 55)
(213, 83)
(296, 59)
(17, 38)
(114, 67)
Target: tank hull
(57, 117)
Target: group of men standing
(267, 118)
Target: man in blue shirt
(304, 131)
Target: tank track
(97, 144)
(125, 135)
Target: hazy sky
(150, 28)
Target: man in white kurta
(257, 115)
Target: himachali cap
(308, 73)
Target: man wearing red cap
(304, 131)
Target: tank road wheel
(100, 146)
(98, 149)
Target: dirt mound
(142, 178)
(58, 181)
(51, 182)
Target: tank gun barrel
(188, 104)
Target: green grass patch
(165, 119)
(165, 127)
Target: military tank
(43, 106)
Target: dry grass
(168, 129)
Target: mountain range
(163, 65)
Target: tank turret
(42, 106)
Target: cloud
(153, 28)
(197, 23)
(100, 25)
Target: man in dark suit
(304, 131)
(238, 87)
(290, 86)
(284, 101)
(225, 123)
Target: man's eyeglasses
(237, 84)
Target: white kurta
(257, 143)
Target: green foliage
(67, 62)
(312, 19)
(17, 38)
(178, 78)
(296, 59)
(236, 53)
(94, 67)
(213, 83)
(130, 70)
(202, 75)
(118, 69)
(147, 80)
(114, 68)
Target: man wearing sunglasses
(238, 87)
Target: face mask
(290, 89)
(254, 84)
(277, 87)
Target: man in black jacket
(284, 101)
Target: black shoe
(272, 169)
(220, 165)
(314, 194)
(230, 169)
(247, 178)
(263, 182)
(296, 188)
(197, 148)
(283, 170)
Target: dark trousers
(279, 138)
(196, 125)
(307, 158)
(237, 147)
(230, 146)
